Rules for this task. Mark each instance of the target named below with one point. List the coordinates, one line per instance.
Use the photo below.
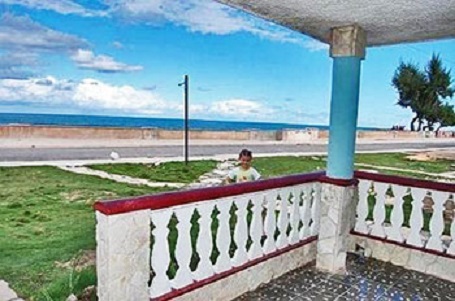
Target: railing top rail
(170, 199)
(405, 181)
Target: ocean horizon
(147, 122)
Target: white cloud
(118, 45)
(237, 107)
(207, 17)
(89, 94)
(92, 93)
(60, 6)
(20, 33)
(86, 59)
(314, 45)
(17, 65)
(204, 16)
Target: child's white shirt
(239, 175)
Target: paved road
(47, 154)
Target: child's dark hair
(246, 153)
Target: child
(244, 172)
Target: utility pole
(186, 84)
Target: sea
(146, 122)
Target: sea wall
(287, 135)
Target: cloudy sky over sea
(126, 57)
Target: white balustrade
(397, 217)
(379, 210)
(305, 212)
(160, 254)
(283, 220)
(183, 275)
(415, 235)
(223, 237)
(271, 210)
(416, 220)
(451, 249)
(294, 216)
(204, 241)
(240, 231)
(315, 209)
(437, 220)
(256, 228)
(270, 222)
(362, 207)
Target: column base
(337, 218)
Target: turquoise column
(343, 116)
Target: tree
(446, 116)
(423, 91)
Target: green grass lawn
(175, 172)
(399, 160)
(270, 167)
(46, 216)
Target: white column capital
(348, 41)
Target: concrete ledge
(409, 258)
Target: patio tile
(300, 280)
(364, 291)
(364, 280)
(268, 293)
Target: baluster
(282, 240)
(223, 237)
(305, 211)
(160, 254)
(397, 216)
(437, 220)
(295, 216)
(379, 210)
(204, 243)
(416, 220)
(315, 209)
(256, 228)
(362, 207)
(241, 231)
(183, 276)
(270, 222)
(451, 249)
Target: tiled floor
(365, 280)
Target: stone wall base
(412, 259)
(249, 279)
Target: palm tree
(422, 91)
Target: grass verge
(46, 217)
(174, 172)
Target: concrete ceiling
(385, 21)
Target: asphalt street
(86, 153)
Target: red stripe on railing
(405, 181)
(198, 284)
(170, 199)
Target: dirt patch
(86, 259)
(73, 196)
(433, 155)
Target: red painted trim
(169, 199)
(403, 245)
(405, 181)
(339, 182)
(198, 284)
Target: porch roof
(385, 21)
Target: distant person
(245, 172)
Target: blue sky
(126, 57)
